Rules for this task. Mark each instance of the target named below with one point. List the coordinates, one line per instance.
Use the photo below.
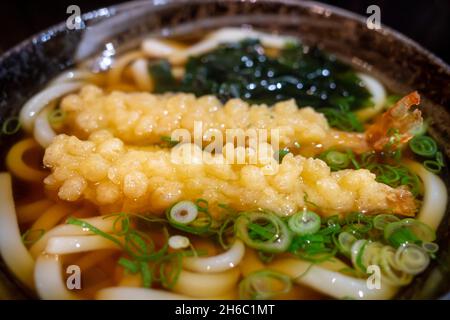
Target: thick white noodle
(435, 196)
(332, 283)
(43, 131)
(378, 94)
(50, 284)
(72, 75)
(13, 251)
(204, 285)
(76, 244)
(103, 223)
(131, 293)
(218, 263)
(141, 75)
(31, 109)
(155, 48)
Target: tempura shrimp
(389, 132)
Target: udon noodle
(350, 182)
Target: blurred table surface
(426, 21)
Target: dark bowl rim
(109, 11)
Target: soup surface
(242, 165)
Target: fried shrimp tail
(397, 125)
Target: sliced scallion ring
(411, 259)
(408, 231)
(390, 270)
(264, 284)
(305, 222)
(336, 160)
(423, 146)
(357, 252)
(430, 247)
(183, 212)
(382, 220)
(189, 217)
(345, 242)
(263, 231)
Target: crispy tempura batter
(118, 177)
(143, 118)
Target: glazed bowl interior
(401, 64)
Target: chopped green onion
(342, 119)
(357, 252)
(307, 201)
(345, 242)
(394, 139)
(430, 247)
(11, 126)
(86, 225)
(368, 158)
(264, 284)
(168, 140)
(183, 212)
(56, 116)
(333, 226)
(395, 176)
(353, 160)
(432, 166)
(202, 205)
(313, 247)
(408, 231)
(227, 208)
(385, 173)
(440, 159)
(124, 221)
(137, 244)
(402, 236)
(146, 274)
(226, 227)
(265, 257)
(264, 231)
(190, 217)
(32, 235)
(358, 222)
(304, 222)
(336, 160)
(411, 259)
(170, 269)
(423, 146)
(390, 270)
(129, 265)
(382, 220)
(280, 154)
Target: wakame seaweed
(243, 70)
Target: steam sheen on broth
(92, 186)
